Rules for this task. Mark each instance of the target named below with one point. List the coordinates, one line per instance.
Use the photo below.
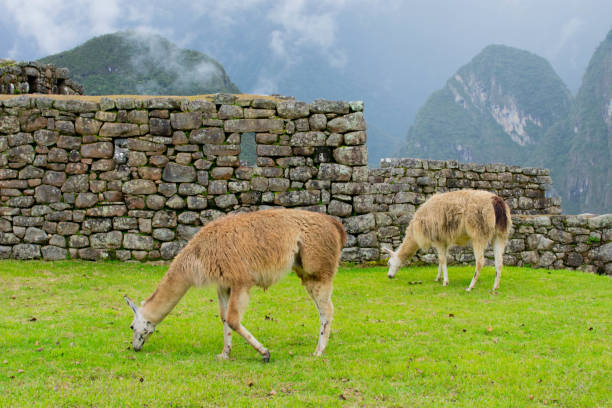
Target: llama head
(394, 262)
(141, 327)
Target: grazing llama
(237, 252)
(456, 218)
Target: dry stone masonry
(135, 178)
(33, 77)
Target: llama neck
(408, 248)
(168, 293)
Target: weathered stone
(324, 106)
(360, 223)
(164, 219)
(125, 223)
(297, 198)
(355, 138)
(160, 127)
(222, 173)
(187, 189)
(230, 112)
(76, 184)
(45, 137)
(211, 135)
(9, 124)
(178, 174)
(353, 155)
(186, 232)
(308, 139)
(112, 129)
(93, 254)
(170, 249)
(47, 194)
(292, 109)
(24, 153)
(185, 120)
(106, 240)
(163, 234)
(221, 150)
(135, 241)
(54, 178)
(273, 150)
(116, 210)
(35, 235)
(54, 253)
(339, 208)
(254, 125)
(26, 251)
(87, 126)
(67, 228)
(317, 121)
(75, 106)
(196, 202)
(21, 202)
(278, 184)
(335, 172)
(144, 146)
(155, 202)
(78, 241)
(69, 142)
(139, 186)
(99, 150)
(226, 200)
(604, 253)
(175, 202)
(300, 173)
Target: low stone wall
(97, 178)
(135, 178)
(32, 77)
(523, 188)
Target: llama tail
(501, 217)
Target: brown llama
(237, 252)
(456, 218)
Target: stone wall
(135, 178)
(32, 77)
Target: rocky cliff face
(494, 109)
(587, 183)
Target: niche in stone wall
(248, 150)
(32, 84)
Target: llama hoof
(468, 289)
(445, 283)
(221, 357)
(266, 356)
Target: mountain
(496, 108)
(587, 182)
(131, 62)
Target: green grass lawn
(543, 340)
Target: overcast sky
(400, 51)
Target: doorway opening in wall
(248, 150)
(32, 84)
(61, 86)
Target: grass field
(544, 340)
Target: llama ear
(389, 251)
(131, 304)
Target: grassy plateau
(545, 339)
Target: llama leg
(500, 246)
(442, 256)
(439, 277)
(223, 295)
(479, 255)
(238, 300)
(321, 295)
